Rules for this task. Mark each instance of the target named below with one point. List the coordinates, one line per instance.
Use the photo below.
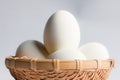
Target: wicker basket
(23, 68)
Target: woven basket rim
(26, 63)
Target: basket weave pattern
(63, 75)
(36, 69)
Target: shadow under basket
(24, 68)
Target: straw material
(24, 68)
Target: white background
(21, 20)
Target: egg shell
(32, 49)
(61, 32)
(67, 55)
(95, 50)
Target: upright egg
(32, 49)
(95, 50)
(67, 54)
(61, 32)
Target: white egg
(32, 49)
(61, 32)
(67, 55)
(95, 50)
